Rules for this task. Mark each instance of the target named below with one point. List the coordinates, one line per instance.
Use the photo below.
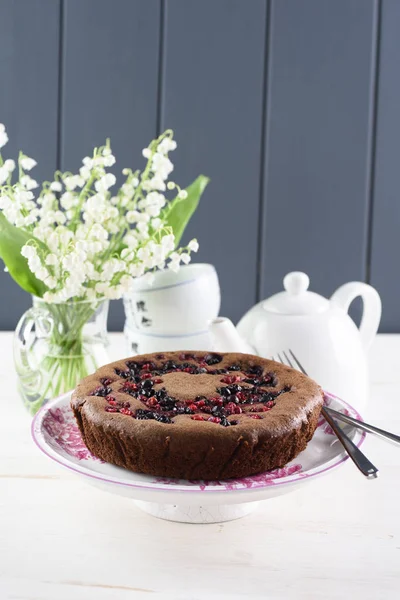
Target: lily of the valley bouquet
(79, 240)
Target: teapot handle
(372, 309)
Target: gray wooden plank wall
(385, 243)
(29, 106)
(290, 106)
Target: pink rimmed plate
(55, 432)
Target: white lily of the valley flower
(51, 282)
(98, 232)
(28, 182)
(103, 184)
(126, 282)
(123, 201)
(111, 267)
(73, 181)
(167, 145)
(132, 216)
(168, 242)
(128, 189)
(185, 258)
(125, 253)
(84, 172)
(27, 163)
(88, 162)
(4, 175)
(56, 186)
(174, 262)
(157, 252)
(146, 186)
(51, 260)
(3, 135)
(144, 253)
(98, 161)
(68, 200)
(143, 229)
(156, 183)
(42, 273)
(59, 217)
(183, 195)
(22, 195)
(109, 160)
(155, 198)
(161, 165)
(5, 202)
(28, 251)
(193, 245)
(131, 241)
(34, 263)
(9, 165)
(153, 211)
(146, 152)
(136, 270)
(156, 224)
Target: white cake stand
(56, 434)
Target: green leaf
(180, 211)
(11, 241)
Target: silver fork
(381, 433)
(359, 459)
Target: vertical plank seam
(160, 81)
(373, 139)
(263, 151)
(60, 85)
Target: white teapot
(319, 331)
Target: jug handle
(24, 339)
(372, 308)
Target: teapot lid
(296, 299)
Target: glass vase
(56, 345)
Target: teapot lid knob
(296, 299)
(296, 283)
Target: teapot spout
(225, 337)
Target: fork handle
(359, 459)
(392, 437)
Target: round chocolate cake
(197, 415)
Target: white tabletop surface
(338, 537)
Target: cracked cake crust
(172, 425)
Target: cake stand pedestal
(192, 513)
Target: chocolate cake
(197, 415)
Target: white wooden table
(61, 539)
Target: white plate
(55, 432)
